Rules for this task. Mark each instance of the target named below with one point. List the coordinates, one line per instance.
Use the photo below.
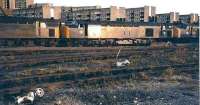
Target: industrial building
(95, 29)
(17, 30)
(123, 30)
(38, 29)
(114, 30)
(141, 14)
(91, 21)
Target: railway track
(29, 51)
(45, 57)
(97, 76)
(13, 65)
(29, 60)
(32, 55)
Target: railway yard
(156, 75)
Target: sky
(162, 6)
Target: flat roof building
(167, 17)
(23, 3)
(15, 4)
(65, 11)
(69, 9)
(189, 18)
(45, 11)
(6, 7)
(95, 13)
(1, 3)
(140, 14)
(8, 4)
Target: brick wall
(17, 30)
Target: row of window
(136, 15)
(163, 16)
(135, 11)
(97, 19)
(35, 16)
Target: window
(81, 25)
(98, 14)
(79, 16)
(169, 34)
(51, 32)
(149, 32)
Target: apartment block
(7, 4)
(23, 3)
(167, 17)
(70, 9)
(65, 11)
(45, 11)
(141, 14)
(15, 4)
(95, 13)
(189, 18)
(1, 3)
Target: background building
(141, 14)
(70, 9)
(65, 11)
(8, 4)
(45, 11)
(167, 17)
(189, 18)
(23, 3)
(1, 3)
(95, 13)
(6, 7)
(15, 4)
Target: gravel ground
(128, 92)
(170, 89)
